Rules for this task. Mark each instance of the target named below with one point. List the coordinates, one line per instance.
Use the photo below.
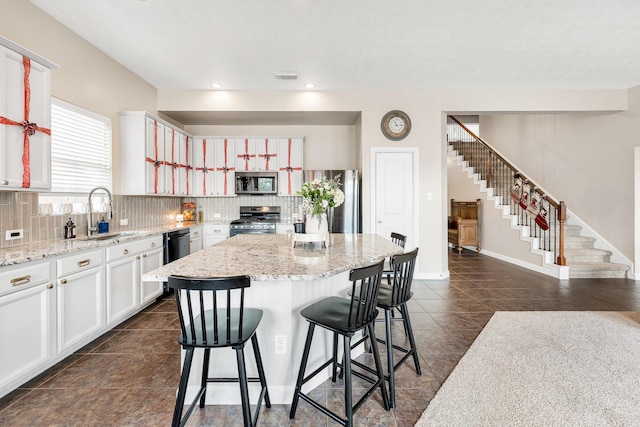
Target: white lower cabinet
(27, 307)
(80, 299)
(195, 240)
(49, 309)
(215, 233)
(123, 272)
(122, 288)
(149, 291)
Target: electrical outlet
(14, 234)
(281, 344)
(124, 221)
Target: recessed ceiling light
(309, 85)
(216, 85)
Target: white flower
(321, 194)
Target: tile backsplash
(19, 210)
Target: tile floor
(128, 377)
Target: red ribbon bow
(289, 168)
(29, 128)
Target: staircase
(582, 258)
(586, 261)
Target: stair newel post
(562, 217)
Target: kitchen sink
(114, 235)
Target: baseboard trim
(559, 272)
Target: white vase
(317, 224)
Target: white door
(394, 195)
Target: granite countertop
(50, 248)
(266, 257)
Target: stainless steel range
(255, 220)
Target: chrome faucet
(92, 228)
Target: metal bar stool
(210, 321)
(345, 317)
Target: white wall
(585, 159)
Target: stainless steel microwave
(256, 182)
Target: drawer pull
(21, 280)
(126, 251)
(63, 281)
(4, 182)
(84, 263)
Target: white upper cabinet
(177, 162)
(186, 167)
(257, 154)
(245, 154)
(25, 121)
(267, 154)
(154, 156)
(157, 158)
(203, 167)
(225, 166)
(290, 174)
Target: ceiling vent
(286, 75)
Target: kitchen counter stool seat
(345, 317)
(208, 328)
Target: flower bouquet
(317, 197)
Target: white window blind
(80, 149)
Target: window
(80, 149)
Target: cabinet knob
(126, 251)
(153, 245)
(63, 281)
(138, 257)
(49, 285)
(144, 255)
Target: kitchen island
(284, 280)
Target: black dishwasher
(176, 244)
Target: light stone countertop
(266, 257)
(51, 248)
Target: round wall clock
(396, 125)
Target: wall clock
(396, 125)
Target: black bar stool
(400, 240)
(345, 317)
(395, 296)
(392, 296)
(215, 327)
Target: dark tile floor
(129, 376)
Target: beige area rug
(545, 369)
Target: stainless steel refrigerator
(346, 218)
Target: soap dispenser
(103, 226)
(70, 230)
